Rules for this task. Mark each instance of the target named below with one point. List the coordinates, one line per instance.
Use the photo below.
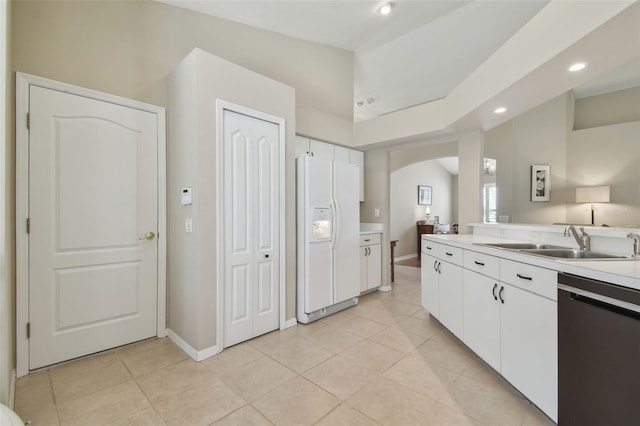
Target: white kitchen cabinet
(511, 323)
(341, 154)
(429, 283)
(357, 158)
(450, 299)
(481, 317)
(318, 149)
(302, 146)
(321, 150)
(441, 282)
(529, 346)
(370, 262)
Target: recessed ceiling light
(500, 110)
(577, 66)
(385, 9)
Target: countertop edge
(620, 272)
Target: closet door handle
(500, 294)
(494, 291)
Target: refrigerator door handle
(334, 220)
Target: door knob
(148, 236)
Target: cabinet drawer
(369, 239)
(528, 277)
(482, 263)
(429, 247)
(450, 254)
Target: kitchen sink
(523, 246)
(556, 252)
(567, 253)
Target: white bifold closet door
(251, 230)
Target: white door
(93, 196)
(252, 215)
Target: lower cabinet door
(529, 346)
(481, 319)
(429, 284)
(450, 297)
(363, 269)
(374, 266)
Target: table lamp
(593, 194)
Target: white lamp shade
(593, 194)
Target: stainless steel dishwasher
(598, 353)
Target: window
(489, 202)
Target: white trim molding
(23, 83)
(195, 354)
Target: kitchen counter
(621, 272)
(371, 228)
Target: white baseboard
(195, 354)
(401, 258)
(290, 323)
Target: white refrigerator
(328, 224)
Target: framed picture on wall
(540, 182)
(424, 195)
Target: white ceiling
(420, 52)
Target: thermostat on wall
(187, 198)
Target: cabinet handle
(448, 254)
(478, 263)
(524, 277)
(428, 248)
(435, 265)
(494, 291)
(500, 294)
(439, 271)
(368, 251)
(367, 240)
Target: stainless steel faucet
(636, 243)
(584, 240)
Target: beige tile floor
(384, 361)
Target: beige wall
(606, 155)
(128, 48)
(405, 210)
(376, 196)
(195, 85)
(617, 107)
(603, 155)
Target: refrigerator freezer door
(314, 198)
